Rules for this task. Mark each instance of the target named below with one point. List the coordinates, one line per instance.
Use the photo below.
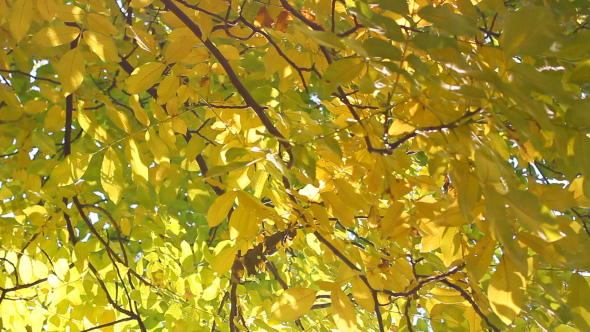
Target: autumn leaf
(20, 18)
(144, 77)
(70, 70)
(263, 19)
(102, 45)
(318, 165)
(56, 35)
(343, 311)
(293, 303)
(507, 291)
(283, 20)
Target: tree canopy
(260, 165)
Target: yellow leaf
(450, 245)
(362, 294)
(343, 311)
(479, 258)
(25, 269)
(158, 148)
(394, 221)
(473, 319)
(111, 175)
(144, 40)
(140, 3)
(533, 215)
(70, 13)
(340, 210)
(40, 269)
(230, 52)
(578, 299)
(55, 35)
(102, 46)
(119, 118)
(89, 123)
(211, 292)
(140, 113)
(20, 19)
(108, 316)
(243, 223)
(506, 291)
(556, 198)
(220, 208)
(100, 23)
(179, 126)
(546, 250)
(71, 169)
(451, 217)
(350, 196)
(126, 226)
(223, 261)
(53, 280)
(144, 77)
(140, 169)
(47, 9)
(399, 127)
(167, 88)
(35, 107)
(70, 70)
(293, 303)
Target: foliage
(184, 165)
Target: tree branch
(233, 77)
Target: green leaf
(533, 215)
(578, 299)
(396, 6)
(523, 35)
(305, 159)
(379, 48)
(324, 38)
(444, 18)
(342, 72)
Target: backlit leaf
(70, 70)
(25, 269)
(111, 175)
(293, 303)
(20, 18)
(102, 45)
(343, 311)
(578, 298)
(521, 34)
(55, 35)
(71, 169)
(444, 18)
(507, 291)
(144, 77)
(220, 208)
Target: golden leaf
(293, 303)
